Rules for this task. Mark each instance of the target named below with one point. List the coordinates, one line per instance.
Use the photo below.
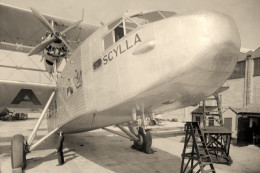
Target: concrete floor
(100, 151)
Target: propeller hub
(57, 34)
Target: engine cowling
(54, 53)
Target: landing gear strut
(142, 138)
(20, 147)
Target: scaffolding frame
(217, 138)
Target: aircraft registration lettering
(26, 95)
(120, 49)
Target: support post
(143, 120)
(152, 116)
(219, 105)
(33, 134)
(133, 115)
(204, 114)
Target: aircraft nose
(212, 40)
(204, 39)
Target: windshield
(124, 25)
(147, 17)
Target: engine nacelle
(56, 51)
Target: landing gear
(142, 138)
(18, 154)
(20, 147)
(145, 141)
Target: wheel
(140, 145)
(18, 157)
(145, 142)
(152, 123)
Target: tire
(148, 143)
(152, 123)
(141, 144)
(18, 157)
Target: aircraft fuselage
(166, 64)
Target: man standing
(60, 149)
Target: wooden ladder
(195, 150)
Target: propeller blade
(71, 27)
(43, 20)
(40, 47)
(65, 42)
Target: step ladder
(195, 151)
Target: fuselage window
(97, 64)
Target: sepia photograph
(117, 86)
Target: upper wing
(21, 31)
(22, 95)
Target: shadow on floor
(115, 153)
(36, 161)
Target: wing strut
(31, 138)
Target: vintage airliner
(138, 64)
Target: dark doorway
(244, 133)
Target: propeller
(55, 35)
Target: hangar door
(243, 136)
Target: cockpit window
(167, 13)
(113, 24)
(147, 17)
(119, 32)
(124, 25)
(130, 25)
(114, 35)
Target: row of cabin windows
(240, 69)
